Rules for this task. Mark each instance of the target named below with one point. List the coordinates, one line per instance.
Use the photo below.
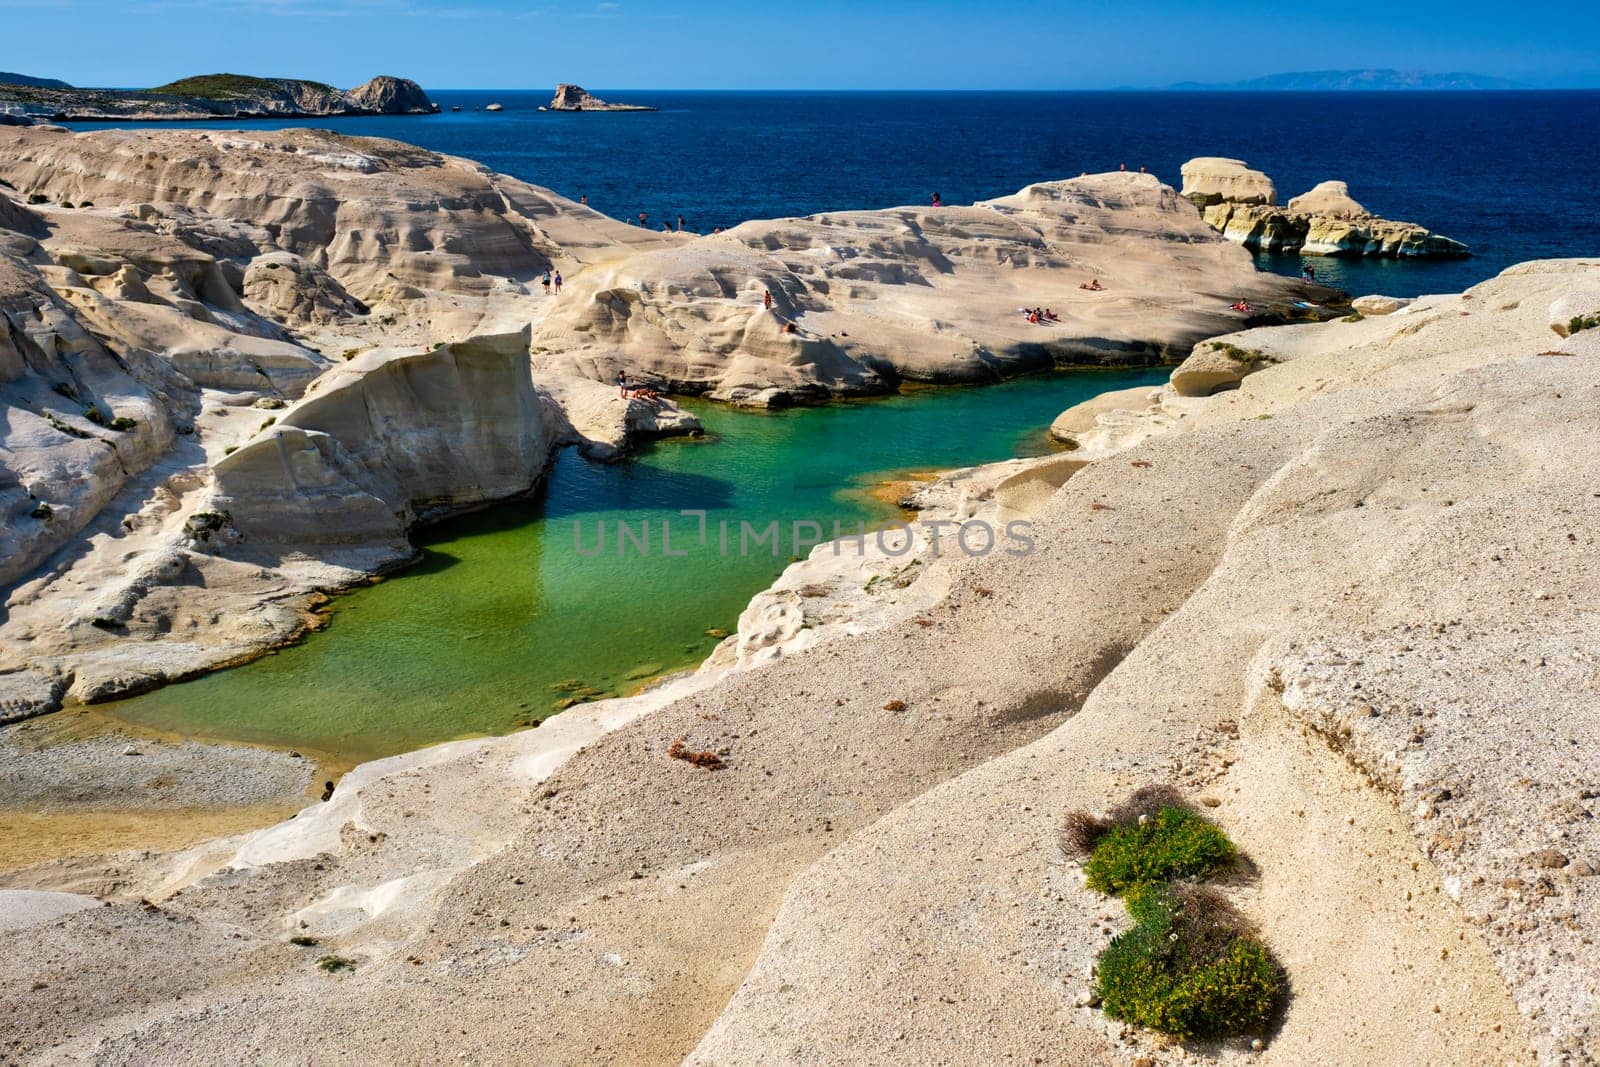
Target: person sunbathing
(1051, 316)
(1092, 286)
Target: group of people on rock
(551, 282)
(666, 224)
(1241, 304)
(636, 392)
(1040, 316)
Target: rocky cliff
(387, 95)
(576, 98)
(1242, 205)
(165, 504)
(386, 438)
(218, 96)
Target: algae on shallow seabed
(502, 606)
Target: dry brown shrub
(708, 760)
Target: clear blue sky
(1027, 44)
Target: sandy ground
(77, 785)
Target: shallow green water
(503, 608)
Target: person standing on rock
(680, 223)
(937, 202)
(584, 199)
(557, 283)
(622, 383)
(546, 282)
(766, 299)
(642, 220)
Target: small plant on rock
(1235, 353)
(333, 964)
(1173, 843)
(1579, 323)
(1191, 966)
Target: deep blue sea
(1516, 175)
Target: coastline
(763, 634)
(993, 726)
(1331, 582)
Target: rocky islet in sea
(1242, 205)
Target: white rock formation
(1374, 304)
(923, 294)
(1350, 602)
(1327, 198)
(387, 438)
(1211, 180)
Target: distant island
(9, 78)
(209, 96)
(1325, 81)
(576, 98)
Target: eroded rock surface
(874, 875)
(861, 300)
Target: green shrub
(35, 198)
(1235, 353)
(42, 510)
(1191, 966)
(332, 964)
(66, 203)
(1188, 968)
(1583, 322)
(303, 940)
(1354, 316)
(62, 427)
(95, 415)
(1173, 843)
